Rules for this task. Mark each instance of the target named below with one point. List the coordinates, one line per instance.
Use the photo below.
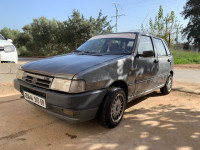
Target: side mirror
(9, 40)
(146, 54)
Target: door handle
(169, 60)
(156, 61)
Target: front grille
(38, 80)
(1, 48)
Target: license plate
(35, 99)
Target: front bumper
(71, 107)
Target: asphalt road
(188, 76)
(27, 59)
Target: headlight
(70, 86)
(61, 84)
(20, 74)
(9, 48)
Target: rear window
(160, 47)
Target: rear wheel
(112, 109)
(168, 86)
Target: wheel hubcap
(169, 84)
(117, 108)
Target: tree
(78, 29)
(45, 37)
(192, 31)
(163, 26)
(10, 34)
(42, 38)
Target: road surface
(188, 76)
(154, 122)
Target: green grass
(185, 57)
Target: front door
(146, 68)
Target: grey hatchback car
(99, 78)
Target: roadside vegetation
(185, 57)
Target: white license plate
(35, 99)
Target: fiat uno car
(99, 78)
(8, 52)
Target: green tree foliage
(42, 38)
(192, 12)
(45, 37)
(163, 26)
(80, 29)
(10, 34)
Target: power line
(117, 15)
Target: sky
(17, 13)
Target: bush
(185, 57)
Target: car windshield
(1, 37)
(110, 46)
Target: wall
(7, 75)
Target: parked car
(8, 52)
(99, 78)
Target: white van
(8, 52)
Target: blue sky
(17, 13)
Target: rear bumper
(71, 107)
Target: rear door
(146, 68)
(164, 60)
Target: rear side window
(160, 47)
(167, 49)
(145, 44)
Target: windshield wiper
(87, 52)
(117, 53)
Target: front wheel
(168, 86)
(112, 109)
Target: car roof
(138, 33)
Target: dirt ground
(7, 89)
(154, 122)
(187, 66)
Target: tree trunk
(199, 46)
(76, 44)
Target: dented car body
(100, 77)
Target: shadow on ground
(161, 127)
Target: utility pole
(176, 36)
(169, 43)
(117, 11)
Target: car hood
(66, 66)
(4, 42)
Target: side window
(145, 44)
(160, 47)
(167, 49)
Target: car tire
(112, 109)
(168, 86)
